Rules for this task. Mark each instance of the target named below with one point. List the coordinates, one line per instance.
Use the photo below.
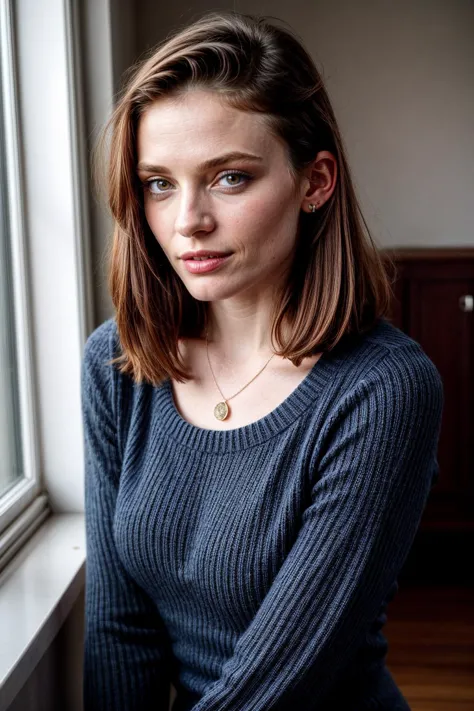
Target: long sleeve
(126, 647)
(369, 485)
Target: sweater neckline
(257, 432)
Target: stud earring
(313, 208)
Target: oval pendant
(221, 410)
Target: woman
(260, 440)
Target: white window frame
(47, 202)
(28, 488)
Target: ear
(321, 177)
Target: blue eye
(161, 186)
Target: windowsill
(37, 592)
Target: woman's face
(246, 206)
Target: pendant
(221, 410)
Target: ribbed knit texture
(252, 567)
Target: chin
(212, 293)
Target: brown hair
(337, 284)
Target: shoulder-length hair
(337, 283)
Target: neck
(240, 335)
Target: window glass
(11, 464)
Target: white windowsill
(37, 592)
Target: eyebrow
(206, 165)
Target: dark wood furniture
(434, 304)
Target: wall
(56, 682)
(108, 48)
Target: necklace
(221, 410)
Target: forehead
(196, 124)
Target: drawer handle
(466, 303)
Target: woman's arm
(126, 645)
(370, 485)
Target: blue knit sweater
(252, 567)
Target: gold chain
(221, 410)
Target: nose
(194, 215)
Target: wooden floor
(430, 631)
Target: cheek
(156, 223)
(149, 215)
(267, 219)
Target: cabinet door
(433, 305)
(446, 332)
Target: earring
(313, 208)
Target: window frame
(41, 71)
(22, 493)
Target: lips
(203, 266)
(201, 259)
(204, 253)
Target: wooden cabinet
(434, 304)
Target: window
(22, 507)
(11, 455)
(45, 273)
(45, 316)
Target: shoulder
(387, 373)
(98, 375)
(403, 361)
(102, 343)
(388, 402)
(383, 350)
